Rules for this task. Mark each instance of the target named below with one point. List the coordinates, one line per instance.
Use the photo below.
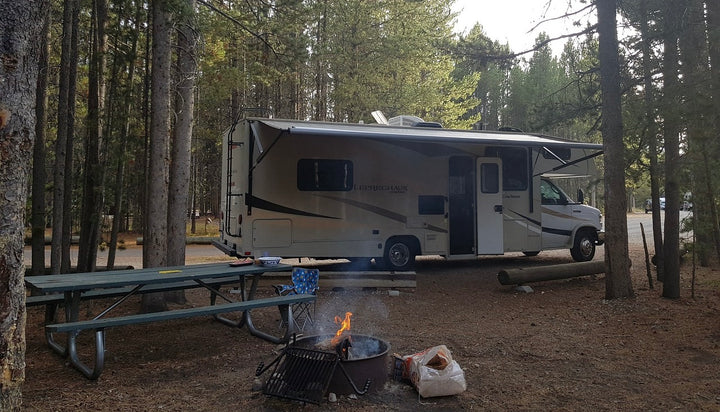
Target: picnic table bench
(126, 283)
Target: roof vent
(428, 124)
(405, 120)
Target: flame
(344, 326)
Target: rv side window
(514, 166)
(324, 175)
(431, 205)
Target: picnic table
(70, 289)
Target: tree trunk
(180, 165)
(92, 203)
(145, 179)
(523, 275)
(69, 145)
(713, 26)
(321, 72)
(671, 128)
(695, 78)
(617, 281)
(652, 140)
(193, 195)
(39, 175)
(64, 102)
(155, 243)
(701, 144)
(235, 93)
(115, 118)
(20, 28)
(123, 139)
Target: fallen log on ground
(521, 276)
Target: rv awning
(421, 134)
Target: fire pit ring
(368, 359)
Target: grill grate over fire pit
(303, 374)
(306, 369)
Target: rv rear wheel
(584, 248)
(530, 254)
(399, 255)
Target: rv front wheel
(399, 255)
(584, 248)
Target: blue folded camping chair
(304, 281)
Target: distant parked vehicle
(686, 204)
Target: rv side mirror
(581, 196)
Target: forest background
(316, 60)
(133, 97)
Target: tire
(583, 249)
(399, 255)
(531, 254)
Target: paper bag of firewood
(433, 372)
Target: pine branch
(240, 24)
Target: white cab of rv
(338, 190)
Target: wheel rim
(399, 254)
(586, 246)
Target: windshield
(552, 195)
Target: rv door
(489, 207)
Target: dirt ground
(561, 347)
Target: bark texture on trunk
(671, 130)
(181, 148)
(617, 281)
(20, 29)
(92, 186)
(155, 244)
(182, 141)
(39, 175)
(652, 132)
(61, 143)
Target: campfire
(342, 341)
(313, 366)
(344, 327)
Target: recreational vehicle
(359, 191)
